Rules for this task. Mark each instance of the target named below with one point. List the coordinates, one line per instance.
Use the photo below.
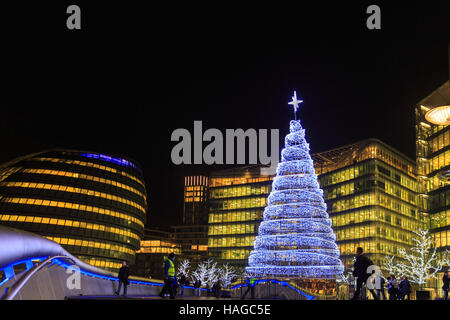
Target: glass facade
(94, 205)
(237, 199)
(433, 167)
(195, 210)
(370, 191)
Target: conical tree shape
(295, 239)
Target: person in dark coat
(124, 273)
(216, 289)
(182, 282)
(446, 285)
(197, 285)
(392, 288)
(360, 271)
(404, 289)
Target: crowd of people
(377, 285)
(374, 282)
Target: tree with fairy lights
(295, 239)
(420, 263)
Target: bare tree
(226, 275)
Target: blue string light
(295, 239)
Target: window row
(228, 181)
(91, 244)
(440, 141)
(241, 191)
(68, 223)
(90, 164)
(374, 214)
(85, 177)
(440, 219)
(88, 192)
(102, 263)
(254, 202)
(235, 228)
(442, 238)
(73, 206)
(234, 216)
(238, 241)
(372, 198)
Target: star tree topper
(295, 103)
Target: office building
(370, 191)
(237, 198)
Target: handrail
(12, 291)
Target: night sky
(134, 74)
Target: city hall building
(93, 204)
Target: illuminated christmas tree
(295, 239)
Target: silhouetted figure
(124, 273)
(360, 271)
(197, 285)
(182, 283)
(379, 286)
(251, 282)
(392, 288)
(446, 285)
(404, 289)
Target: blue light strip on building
(104, 157)
(282, 283)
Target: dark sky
(134, 74)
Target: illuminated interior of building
(370, 191)
(94, 205)
(433, 167)
(237, 198)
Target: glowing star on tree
(295, 239)
(295, 103)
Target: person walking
(370, 285)
(392, 288)
(360, 271)
(124, 273)
(169, 277)
(446, 285)
(182, 283)
(251, 282)
(379, 286)
(197, 285)
(216, 289)
(404, 289)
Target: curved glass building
(93, 204)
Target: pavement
(143, 297)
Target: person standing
(182, 283)
(404, 288)
(197, 285)
(360, 271)
(124, 273)
(392, 288)
(446, 285)
(379, 286)
(169, 277)
(370, 285)
(251, 282)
